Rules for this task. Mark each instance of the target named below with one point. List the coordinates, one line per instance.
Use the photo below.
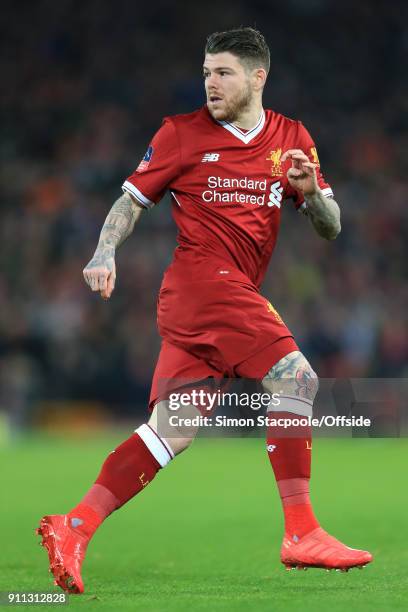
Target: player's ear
(259, 78)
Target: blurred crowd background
(84, 87)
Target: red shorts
(216, 326)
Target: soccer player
(228, 166)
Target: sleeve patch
(314, 155)
(144, 164)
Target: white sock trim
(162, 440)
(288, 403)
(156, 445)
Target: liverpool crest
(276, 166)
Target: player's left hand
(302, 174)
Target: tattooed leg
(295, 382)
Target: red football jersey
(227, 185)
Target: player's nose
(213, 91)
(212, 83)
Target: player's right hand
(100, 275)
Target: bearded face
(231, 106)
(228, 87)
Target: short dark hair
(247, 44)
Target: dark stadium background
(84, 87)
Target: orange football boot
(66, 550)
(319, 549)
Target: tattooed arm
(323, 212)
(100, 272)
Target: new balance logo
(211, 157)
(275, 197)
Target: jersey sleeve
(305, 142)
(159, 167)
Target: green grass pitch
(206, 534)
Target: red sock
(126, 471)
(290, 458)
